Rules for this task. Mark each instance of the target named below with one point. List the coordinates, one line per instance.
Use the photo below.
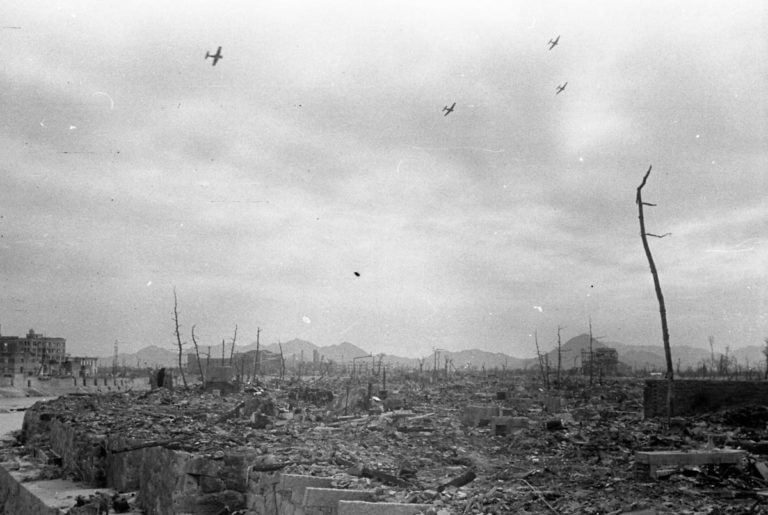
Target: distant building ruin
(40, 355)
(33, 354)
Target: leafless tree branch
(178, 337)
(659, 295)
(197, 355)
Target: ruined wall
(15, 498)
(691, 397)
(177, 482)
(53, 386)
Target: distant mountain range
(638, 357)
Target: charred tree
(591, 354)
(232, 352)
(178, 337)
(541, 359)
(197, 355)
(657, 286)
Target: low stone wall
(15, 498)
(172, 481)
(691, 397)
(21, 385)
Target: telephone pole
(114, 361)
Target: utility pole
(559, 355)
(114, 361)
(257, 361)
(434, 365)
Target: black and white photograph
(383, 257)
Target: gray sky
(316, 148)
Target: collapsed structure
(471, 444)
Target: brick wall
(691, 397)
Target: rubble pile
(465, 446)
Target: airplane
(449, 110)
(553, 43)
(561, 88)
(215, 56)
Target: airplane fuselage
(215, 56)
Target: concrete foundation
(692, 397)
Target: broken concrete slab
(380, 508)
(294, 486)
(506, 425)
(325, 501)
(20, 495)
(655, 459)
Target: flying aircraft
(553, 43)
(561, 88)
(215, 56)
(449, 110)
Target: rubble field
(463, 445)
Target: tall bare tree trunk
(197, 355)
(541, 359)
(178, 336)
(232, 352)
(591, 354)
(657, 285)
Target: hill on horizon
(638, 357)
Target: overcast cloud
(316, 148)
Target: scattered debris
(460, 447)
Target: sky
(311, 185)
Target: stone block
(15, 497)
(199, 466)
(655, 459)
(475, 416)
(506, 425)
(326, 500)
(209, 504)
(293, 486)
(380, 508)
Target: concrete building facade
(38, 355)
(33, 354)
